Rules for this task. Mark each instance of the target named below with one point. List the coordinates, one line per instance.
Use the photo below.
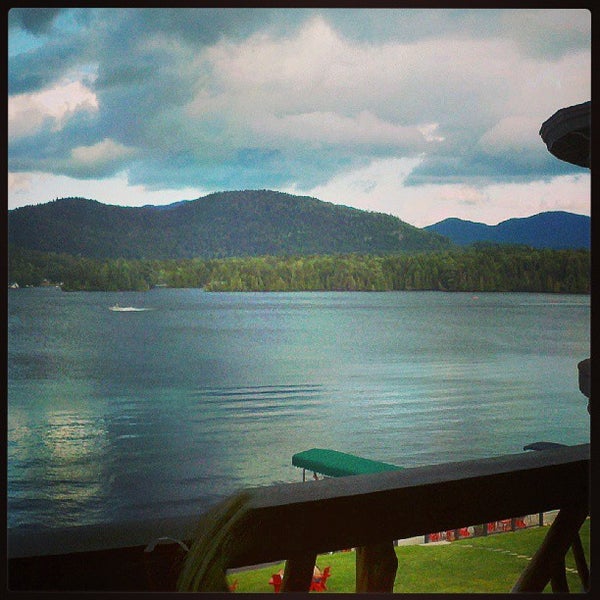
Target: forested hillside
(482, 267)
(553, 229)
(224, 224)
(263, 241)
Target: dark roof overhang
(567, 134)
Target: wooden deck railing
(295, 522)
(298, 521)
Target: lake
(117, 416)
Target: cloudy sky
(423, 114)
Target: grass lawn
(489, 564)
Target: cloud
(512, 136)
(321, 89)
(564, 31)
(293, 98)
(376, 186)
(381, 187)
(37, 188)
(50, 108)
(99, 160)
(319, 128)
(34, 20)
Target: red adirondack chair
(506, 524)
(319, 584)
(276, 581)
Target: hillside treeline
(478, 268)
(220, 225)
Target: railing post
(298, 573)
(549, 558)
(558, 581)
(376, 567)
(582, 568)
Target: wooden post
(582, 568)
(298, 573)
(550, 556)
(558, 581)
(376, 567)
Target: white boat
(117, 308)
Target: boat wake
(118, 308)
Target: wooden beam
(406, 503)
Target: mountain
(555, 229)
(224, 224)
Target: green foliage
(479, 268)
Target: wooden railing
(296, 522)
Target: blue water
(131, 415)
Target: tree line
(482, 267)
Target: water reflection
(59, 465)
